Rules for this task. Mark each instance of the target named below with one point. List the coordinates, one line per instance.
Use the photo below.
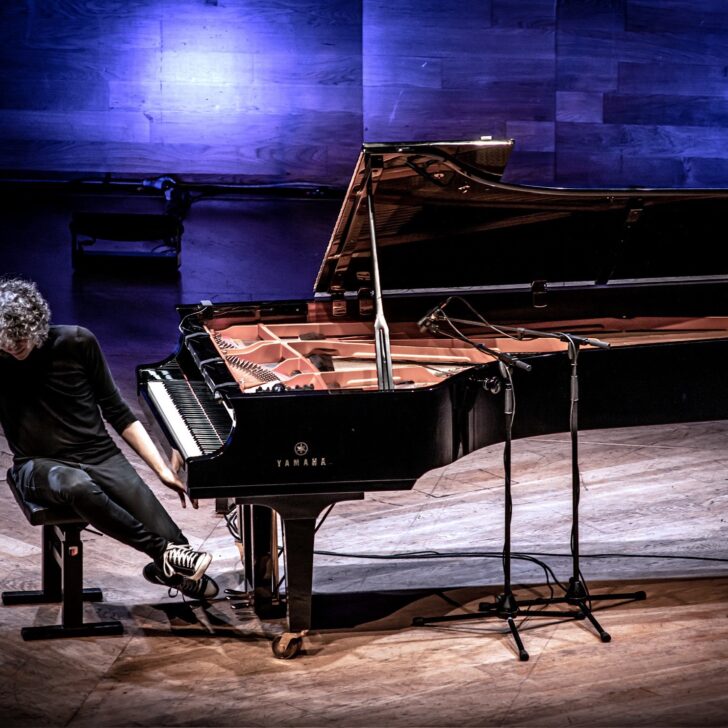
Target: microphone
(598, 343)
(431, 316)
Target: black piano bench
(62, 574)
(89, 227)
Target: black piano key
(206, 419)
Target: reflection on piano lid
(445, 221)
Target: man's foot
(183, 560)
(201, 589)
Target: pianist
(55, 386)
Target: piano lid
(444, 220)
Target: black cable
(414, 555)
(531, 558)
(532, 555)
(323, 518)
(638, 556)
(485, 321)
(548, 571)
(231, 521)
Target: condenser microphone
(431, 316)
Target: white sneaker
(203, 589)
(183, 560)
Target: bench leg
(63, 582)
(57, 631)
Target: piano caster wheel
(286, 647)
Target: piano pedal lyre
(239, 600)
(256, 537)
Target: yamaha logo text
(302, 458)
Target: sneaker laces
(182, 554)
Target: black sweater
(51, 403)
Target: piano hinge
(339, 307)
(366, 301)
(634, 213)
(538, 294)
(633, 216)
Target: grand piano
(294, 405)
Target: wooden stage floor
(649, 493)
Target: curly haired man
(56, 390)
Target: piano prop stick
(506, 606)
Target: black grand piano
(295, 405)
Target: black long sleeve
(51, 404)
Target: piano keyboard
(198, 423)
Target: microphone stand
(577, 593)
(506, 606)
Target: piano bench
(89, 227)
(62, 573)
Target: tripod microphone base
(506, 608)
(578, 596)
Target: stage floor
(649, 494)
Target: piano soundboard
(333, 356)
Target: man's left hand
(174, 483)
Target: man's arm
(138, 438)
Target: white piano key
(176, 425)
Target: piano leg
(299, 515)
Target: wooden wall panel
(41, 94)
(92, 126)
(665, 109)
(677, 79)
(272, 90)
(686, 17)
(641, 155)
(399, 113)
(434, 70)
(262, 26)
(285, 161)
(641, 89)
(245, 90)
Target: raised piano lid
(445, 222)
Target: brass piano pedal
(237, 593)
(240, 603)
(239, 599)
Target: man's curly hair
(24, 313)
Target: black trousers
(110, 496)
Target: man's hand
(136, 436)
(173, 482)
